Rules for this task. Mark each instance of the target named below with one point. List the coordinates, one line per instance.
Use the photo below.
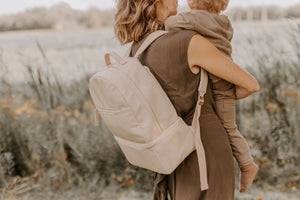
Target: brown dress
(167, 60)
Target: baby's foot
(247, 175)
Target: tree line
(62, 17)
(262, 13)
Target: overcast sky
(13, 6)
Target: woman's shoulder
(176, 37)
(173, 40)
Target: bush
(270, 117)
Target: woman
(174, 59)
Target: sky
(13, 6)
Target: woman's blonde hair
(211, 5)
(134, 18)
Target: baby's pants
(226, 111)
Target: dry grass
(49, 146)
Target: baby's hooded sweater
(215, 28)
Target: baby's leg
(226, 111)
(240, 148)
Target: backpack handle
(115, 56)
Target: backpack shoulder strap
(196, 126)
(202, 86)
(151, 38)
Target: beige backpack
(139, 114)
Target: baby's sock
(247, 175)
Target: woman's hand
(204, 54)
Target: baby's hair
(211, 5)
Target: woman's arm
(204, 54)
(241, 93)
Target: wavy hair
(134, 18)
(211, 5)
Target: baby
(205, 18)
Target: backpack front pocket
(163, 154)
(123, 124)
